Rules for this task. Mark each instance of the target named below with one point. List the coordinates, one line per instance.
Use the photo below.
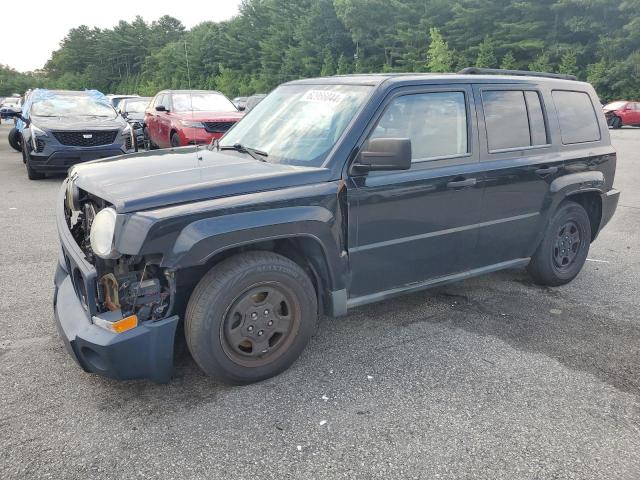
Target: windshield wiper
(256, 154)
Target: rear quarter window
(577, 117)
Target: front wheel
(175, 140)
(14, 139)
(250, 317)
(564, 248)
(26, 158)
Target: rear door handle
(462, 183)
(546, 171)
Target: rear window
(514, 119)
(577, 117)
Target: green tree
(328, 67)
(440, 58)
(509, 62)
(541, 63)
(486, 55)
(569, 63)
(344, 67)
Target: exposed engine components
(134, 293)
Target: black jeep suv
(332, 193)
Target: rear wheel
(26, 158)
(175, 140)
(616, 123)
(564, 248)
(14, 139)
(250, 317)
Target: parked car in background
(240, 102)
(9, 106)
(621, 113)
(116, 99)
(62, 128)
(335, 193)
(176, 118)
(132, 110)
(252, 101)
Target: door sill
(415, 287)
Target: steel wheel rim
(259, 325)
(567, 245)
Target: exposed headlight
(102, 234)
(191, 124)
(72, 196)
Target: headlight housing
(38, 132)
(102, 234)
(191, 124)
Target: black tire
(616, 123)
(564, 248)
(148, 144)
(175, 140)
(228, 345)
(26, 158)
(14, 139)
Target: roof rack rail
(522, 73)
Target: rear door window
(514, 119)
(577, 117)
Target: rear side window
(514, 119)
(577, 117)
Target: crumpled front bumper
(145, 351)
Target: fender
(202, 239)
(567, 185)
(578, 182)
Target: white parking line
(596, 261)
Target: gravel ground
(490, 378)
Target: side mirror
(161, 108)
(384, 154)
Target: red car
(622, 113)
(176, 118)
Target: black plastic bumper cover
(143, 352)
(609, 205)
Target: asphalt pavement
(490, 378)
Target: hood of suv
(156, 179)
(78, 123)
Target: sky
(26, 42)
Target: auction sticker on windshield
(323, 96)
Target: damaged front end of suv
(117, 316)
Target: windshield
(615, 105)
(72, 106)
(202, 102)
(135, 106)
(299, 124)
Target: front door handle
(462, 183)
(546, 171)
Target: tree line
(273, 41)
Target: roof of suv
(435, 78)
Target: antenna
(186, 56)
